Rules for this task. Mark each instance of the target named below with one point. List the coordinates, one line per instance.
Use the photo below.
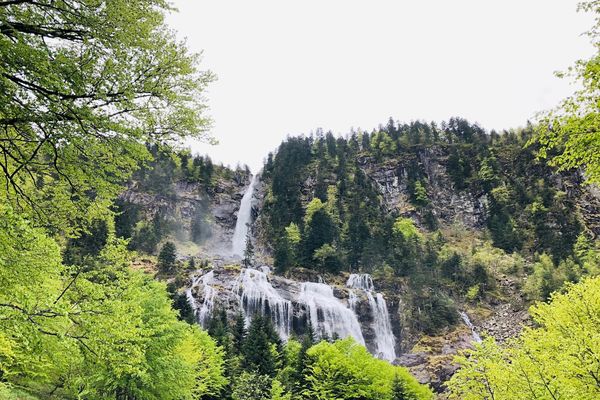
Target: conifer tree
(257, 354)
(239, 332)
(167, 257)
(308, 341)
(218, 328)
(400, 390)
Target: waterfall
(352, 300)
(327, 313)
(257, 295)
(468, 322)
(244, 218)
(203, 312)
(384, 337)
(360, 281)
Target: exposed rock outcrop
(448, 204)
(207, 218)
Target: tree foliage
(570, 134)
(559, 358)
(345, 370)
(83, 86)
(99, 330)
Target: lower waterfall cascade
(327, 314)
(257, 295)
(333, 311)
(384, 336)
(205, 310)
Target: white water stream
(205, 310)
(327, 314)
(468, 322)
(257, 295)
(244, 218)
(384, 337)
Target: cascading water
(203, 312)
(257, 295)
(352, 300)
(244, 218)
(468, 322)
(384, 337)
(327, 313)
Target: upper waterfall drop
(244, 218)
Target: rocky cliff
(448, 204)
(202, 220)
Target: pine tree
(239, 332)
(218, 328)
(309, 335)
(282, 256)
(257, 354)
(320, 229)
(308, 341)
(191, 264)
(167, 257)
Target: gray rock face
(449, 204)
(189, 207)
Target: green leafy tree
(570, 134)
(102, 329)
(278, 391)
(406, 228)
(293, 238)
(346, 370)
(252, 386)
(84, 86)
(558, 359)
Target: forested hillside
(450, 208)
(418, 260)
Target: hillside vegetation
(96, 101)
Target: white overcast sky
(289, 67)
